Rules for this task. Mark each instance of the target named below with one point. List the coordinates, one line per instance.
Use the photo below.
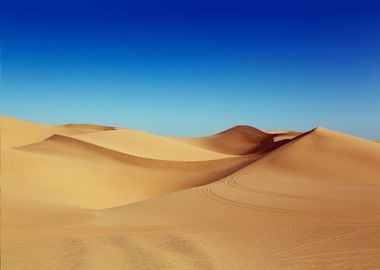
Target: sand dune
(88, 127)
(241, 140)
(93, 197)
(16, 132)
(148, 145)
(92, 176)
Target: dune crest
(88, 127)
(15, 132)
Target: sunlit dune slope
(148, 145)
(67, 171)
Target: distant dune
(241, 140)
(83, 196)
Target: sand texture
(82, 196)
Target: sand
(83, 196)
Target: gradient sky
(191, 68)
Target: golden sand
(96, 197)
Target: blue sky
(191, 68)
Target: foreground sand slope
(308, 202)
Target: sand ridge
(149, 145)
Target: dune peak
(242, 129)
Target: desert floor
(83, 196)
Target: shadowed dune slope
(242, 140)
(88, 127)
